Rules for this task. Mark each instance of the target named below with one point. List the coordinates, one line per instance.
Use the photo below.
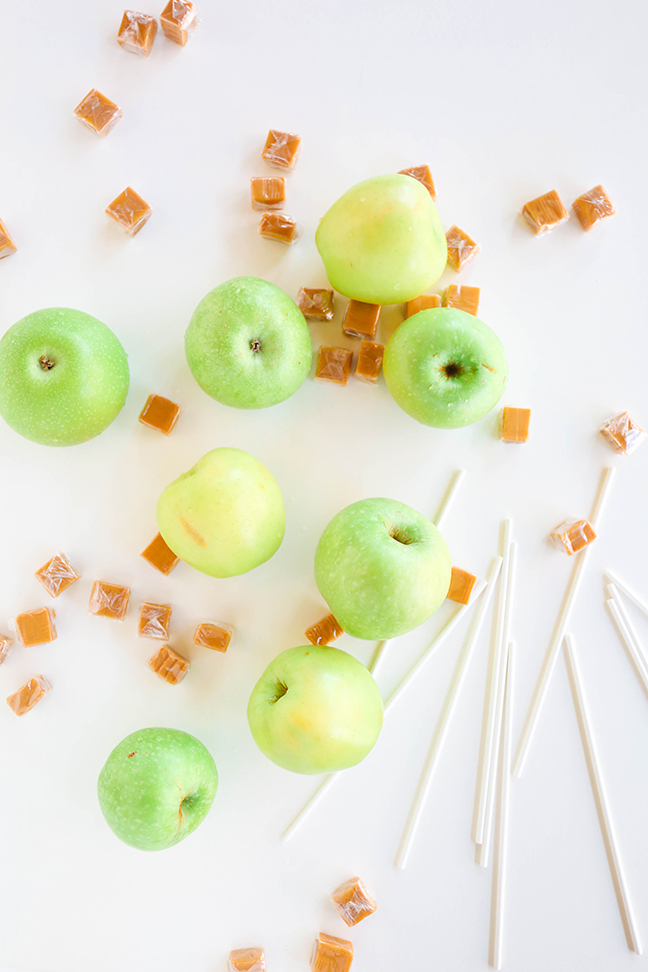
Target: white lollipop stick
(629, 593)
(496, 938)
(628, 636)
(560, 628)
(600, 799)
(377, 655)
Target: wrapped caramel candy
(137, 32)
(5, 644)
(29, 695)
(316, 303)
(353, 901)
(169, 665)
(278, 226)
(545, 213)
(160, 413)
(324, 631)
(130, 211)
(623, 433)
(463, 298)
(461, 249)
(424, 302)
(268, 192)
(98, 113)
(178, 20)
(57, 575)
(214, 635)
(461, 585)
(370, 358)
(154, 621)
(36, 627)
(7, 245)
(514, 424)
(360, 319)
(160, 555)
(573, 535)
(281, 149)
(334, 364)
(246, 960)
(423, 175)
(592, 207)
(331, 954)
(109, 600)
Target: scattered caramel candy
(160, 413)
(160, 555)
(137, 32)
(29, 695)
(278, 226)
(422, 174)
(36, 627)
(109, 600)
(246, 960)
(360, 319)
(370, 359)
(424, 302)
(573, 535)
(331, 954)
(129, 210)
(461, 249)
(268, 192)
(57, 575)
(98, 113)
(353, 901)
(325, 631)
(5, 644)
(461, 585)
(7, 245)
(154, 621)
(545, 212)
(214, 635)
(334, 364)
(169, 665)
(623, 433)
(281, 149)
(514, 424)
(592, 207)
(463, 298)
(316, 303)
(178, 19)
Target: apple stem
(46, 363)
(255, 345)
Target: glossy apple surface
(248, 344)
(63, 377)
(445, 368)
(156, 787)
(382, 568)
(382, 241)
(224, 516)
(315, 710)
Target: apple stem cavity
(280, 691)
(452, 370)
(255, 345)
(46, 362)
(397, 534)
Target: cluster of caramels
(268, 193)
(545, 212)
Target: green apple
(382, 241)
(63, 376)
(156, 787)
(315, 709)
(445, 368)
(382, 568)
(225, 516)
(248, 344)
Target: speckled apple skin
(84, 391)
(376, 586)
(156, 787)
(220, 334)
(327, 719)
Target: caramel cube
(461, 249)
(177, 20)
(545, 212)
(57, 575)
(246, 960)
(514, 424)
(97, 112)
(5, 644)
(169, 665)
(214, 635)
(623, 433)
(592, 207)
(325, 631)
(331, 954)
(129, 210)
(7, 245)
(109, 601)
(353, 901)
(316, 303)
(334, 364)
(160, 413)
(422, 174)
(137, 32)
(154, 621)
(29, 695)
(360, 319)
(268, 192)
(424, 302)
(370, 359)
(463, 298)
(36, 627)
(572, 535)
(160, 555)
(278, 226)
(281, 149)
(461, 585)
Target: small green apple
(224, 516)
(156, 787)
(63, 376)
(382, 568)
(382, 241)
(248, 344)
(315, 709)
(445, 368)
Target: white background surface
(504, 101)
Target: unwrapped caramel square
(154, 621)
(109, 601)
(461, 249)
(214, 635)
(353, 901)
(592, 207)
(177, 20)
(281, 149)
(57, 575)
(325, 631)
(5, 644)
(514, 424)
(331, 954)
(334, 364)
(137, 32)
(160, 413)
(36, 627)
(370, 359)
(463, 298)
(160, 555)
(316, 303)
(246, 960)
(169, 665)
(424, 302)
(461, 585)
(360, 319)
(573, 535)
(97, 112)
(278, 226)
(7, 245)
(268, 192)
(29, 695)
(623, 433)
(129, 210)
(422, 174)
(545, 212)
